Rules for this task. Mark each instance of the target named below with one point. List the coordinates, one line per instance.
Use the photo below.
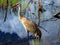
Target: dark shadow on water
(12, 39)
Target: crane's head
(38, 33)
(16, 5)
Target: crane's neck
(19, 12)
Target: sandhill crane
(28, 24)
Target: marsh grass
(44, 41)
(3, 5)
(4, 2)
(36, 42)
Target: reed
(44, 41)
(36, 42)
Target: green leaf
(24, 4)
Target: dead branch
(57, 15)
(54, 18)
(44, 29)
(6, 11)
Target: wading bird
(28, 24)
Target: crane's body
(29, 25)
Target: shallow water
(12, 31)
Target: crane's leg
(28, 36)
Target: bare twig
(38, 13)
(6, 11)
(54, 18)
(51, 19)
(56, 15)
(35, 15)
(40, 10)
(43, 28)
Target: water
(12, 26)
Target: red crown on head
(15, 5)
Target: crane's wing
(30, 25)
